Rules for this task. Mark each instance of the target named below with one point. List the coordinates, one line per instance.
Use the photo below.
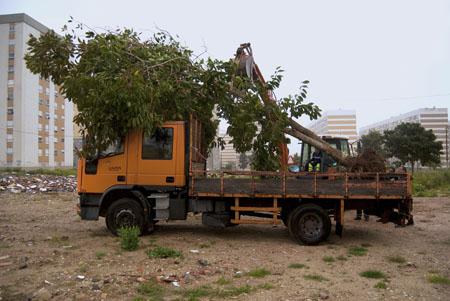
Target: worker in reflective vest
(314, 164)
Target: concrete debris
(33, 184)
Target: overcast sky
(380, 58)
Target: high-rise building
(35, 119)
(336, 123)
(435, 119)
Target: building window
(46, 127)
(55, 128)
(47, 91)
(11, 42)
(10, 69)
(62, 117)
(9, 138)
(10, 111)
(40, 89)
(11, 55)
(40, 154)
(12, 28)
(56, 152)
(39, 139)
(55, 105)
(40, 114)
(9, 124)
(62, 106)
(56, 93)
(10, 82)
(55, 140)
(47, 115)
(56, 117)
(10, 96)
(39, 126)
(62, 129)
(46, 152)
(46, 140)
(62, 151)
(62, 140)
(9, 150)
(47, 102)
(41, 101)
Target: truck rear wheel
(125, 212)
(309, 224)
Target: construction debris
(33, 184)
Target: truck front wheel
(309, 224)
(124, 212)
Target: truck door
(158, 156)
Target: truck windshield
(115, 148)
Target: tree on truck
(138, 167)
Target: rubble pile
(33, 184)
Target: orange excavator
(248, 67)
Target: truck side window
(159, 145)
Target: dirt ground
(47, 252)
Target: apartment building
(336, 123)
(36, 127)
(435, 119)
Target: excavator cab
(310, 162)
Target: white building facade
(336, 123)
(435, 119)
(36, 128)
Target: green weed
(357, 251)
(372, 274)
(315, 277)
(163, 252)
(100, 255)
(297, 266)
(434, 271)
(328, 259)
(397, 259)
(438, 279)
(258, 273)
(129, 237)
(342, 258)
(151, 288)
(222, 281)
(381, 285)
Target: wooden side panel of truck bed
(302, 185)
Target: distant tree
(410, 142)
(243, 161)
(296, 158)
(373, 140)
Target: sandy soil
(44, 247)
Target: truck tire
(125, 212)
(309, 224)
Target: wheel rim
(125, 217)
(310, 225)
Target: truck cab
(327, 164)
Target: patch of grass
(5, 246)
(195, 293)
(328, 259)
(265, 286)
(396, 259)
(434, 271)
(237, 276)
(446, 242)
(83, 269)
(366, 245)
(222, 281)
(163, 252)
(236, 291)
(205, 246)
(381, 285)
(129, 237)
(342, 258)
(100, 255)
(151, 288)
(298, 266)
(258, 273)
(439, 280)
(374, 274)
(357, 251)
(315, 277)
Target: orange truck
(143, 179)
